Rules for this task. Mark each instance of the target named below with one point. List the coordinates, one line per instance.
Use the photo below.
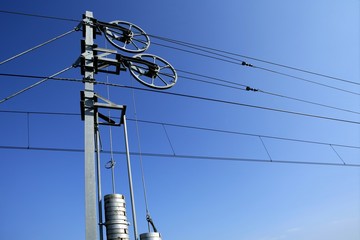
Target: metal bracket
(102, 25)
(104, 104)
(108, 61)
(92, 22)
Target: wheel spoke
(139, 31)
(163, 80)
(166, 66)
(132, 42)
(152, 81)
(110, 33)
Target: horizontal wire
(242, 63)
(209, 77)
(212, 83)
(198, 157)
(266, 92)
(203, 81)
(241, 104)
(246, 134)
(193, 127)
(201, 47)
(199, 80)
(215, 100)
(39, 16)
(309, 81)
(309, 102)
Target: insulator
(115, 217)
(150, 236)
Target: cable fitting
(251, 89)
(246, 64)
(78, 27)
(148, 218)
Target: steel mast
(89, 129)
(151, 71)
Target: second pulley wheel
(153, 71)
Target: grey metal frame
(89, 131)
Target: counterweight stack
(115, 217)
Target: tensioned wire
(140, 158)
(40, 45)
(195, 157)
(192, 127)
(188, 44)
(112, 161)
(246, 88)
(35, 84)
(218, 101)
(215, 50)
(243, 63)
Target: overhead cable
(39, 16)
(309, 102)
(34, 85)
(40, 45)
(199, 47)
(183, 156)
(243, 63)
(241, 104)
(207, 99)
(194, 128)
(245, 87)
(188, 44)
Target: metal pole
(130, 178)
(90, 187)
(99, 179)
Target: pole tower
(151, 71)
(89, 129)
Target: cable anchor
(246, 64)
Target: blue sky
(191, 197)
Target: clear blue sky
(43, 191)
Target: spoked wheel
(127, 36)
(153, 71)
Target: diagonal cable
(337, 154)
(40, 45)
(265, 148)
(35, 84)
